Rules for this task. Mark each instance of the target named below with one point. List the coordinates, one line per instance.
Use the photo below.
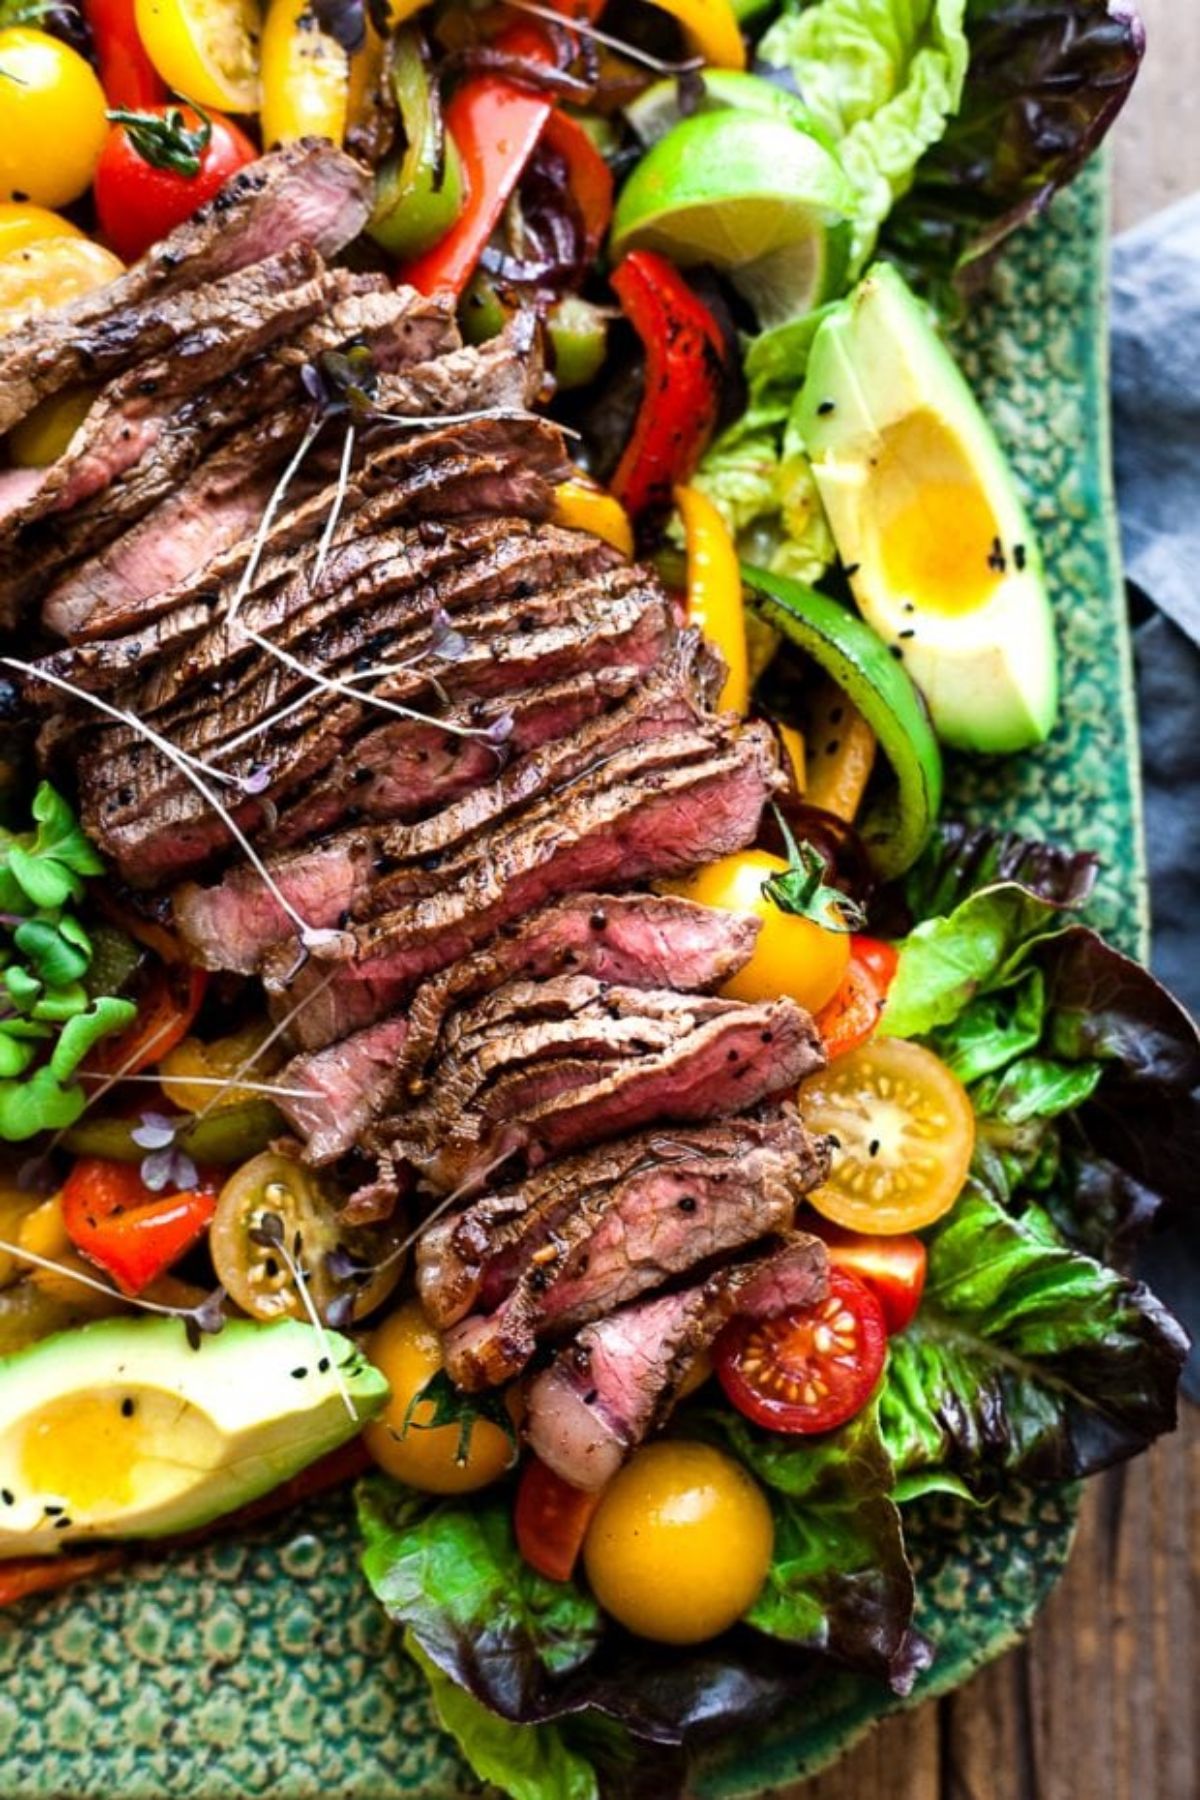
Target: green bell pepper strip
(895, 828)
(231, 1134)
(419, 192)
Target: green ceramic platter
(263, 1666)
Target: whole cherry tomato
(158, 166)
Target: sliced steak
(690, 1197)
(724, 1058)
(620, 1378)
(616, 835)
(308, 193)
(637, 939)
(341, 1082)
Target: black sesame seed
(323, 1366)
(299, 1374)
(873, 1147)
(832, 747)
(826, 407)
(8, 1497)
(62, 1524)
(896, 651)
(1020, 558)
(127, 1408)
(908, 632)
(52, 1511)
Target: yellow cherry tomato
(305, 77)
(192, 1071)
(711, 29)
(409, 1352)
(792, 955)
(680, 1544)
(21, 224)
(207, 50)
(39, 277)
(43, 1233)
(904, 1133)
(44, 434)
(52, 120)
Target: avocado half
(928, 520)
(122, 1429)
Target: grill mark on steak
(614, 836)
(620, 1378)
(645, 940)
(308, 193)
(689, 1198)
(727, 1061)
(239, 916)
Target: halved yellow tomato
(50, 273)
(904, 1133)
(207, 50)
(792, 955)
(21, 224)
(52, 119)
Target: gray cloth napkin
(1156, 442)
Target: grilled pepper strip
(128, 77)
(419, 192)
(711, 29)
(305, 77)
(685, 360)
(588, 175)
(126, 1229)
(714, 592)
(580, 505)
(896, 828)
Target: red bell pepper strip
(125, 1228)
(588, 175)
(128, 77)
(166, 1009)
(685, 364)
(497, 126)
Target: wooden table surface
(1103, 1701)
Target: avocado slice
(928, 520)
(122, 1429)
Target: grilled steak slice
(620, 1378)
(334, 878)
(118, 581)
(309, 193)
(616, 835)
(724, 1058)
(637, 939)
(342, 1082)
(689, 1197)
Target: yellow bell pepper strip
(895, 826)
(796, 751)
(714, 591)
(366, 91)
(711, 29)
(305, 77)
(841, 752)
(580, 505)
(44, 434)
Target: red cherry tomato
(853, 1013)
(808, 1370)
(892, 1267)
(157, 167)
(128, 1230)
(167, 1005)
(551, 1520)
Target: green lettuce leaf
(945, 962)
(1027, 1360)
(882, 77)
(839, 1581)
(761, 481)
(528, 1762)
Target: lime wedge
(753, 194)
(657, 111)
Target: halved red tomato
(128, 1230)
(853, 1013)
(551, 1520)
(808, 1370)
(892, 1267)
(167, 1005)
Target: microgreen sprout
(165, 1163)
(269, 1234)
(311, 937)
(205, 1319)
